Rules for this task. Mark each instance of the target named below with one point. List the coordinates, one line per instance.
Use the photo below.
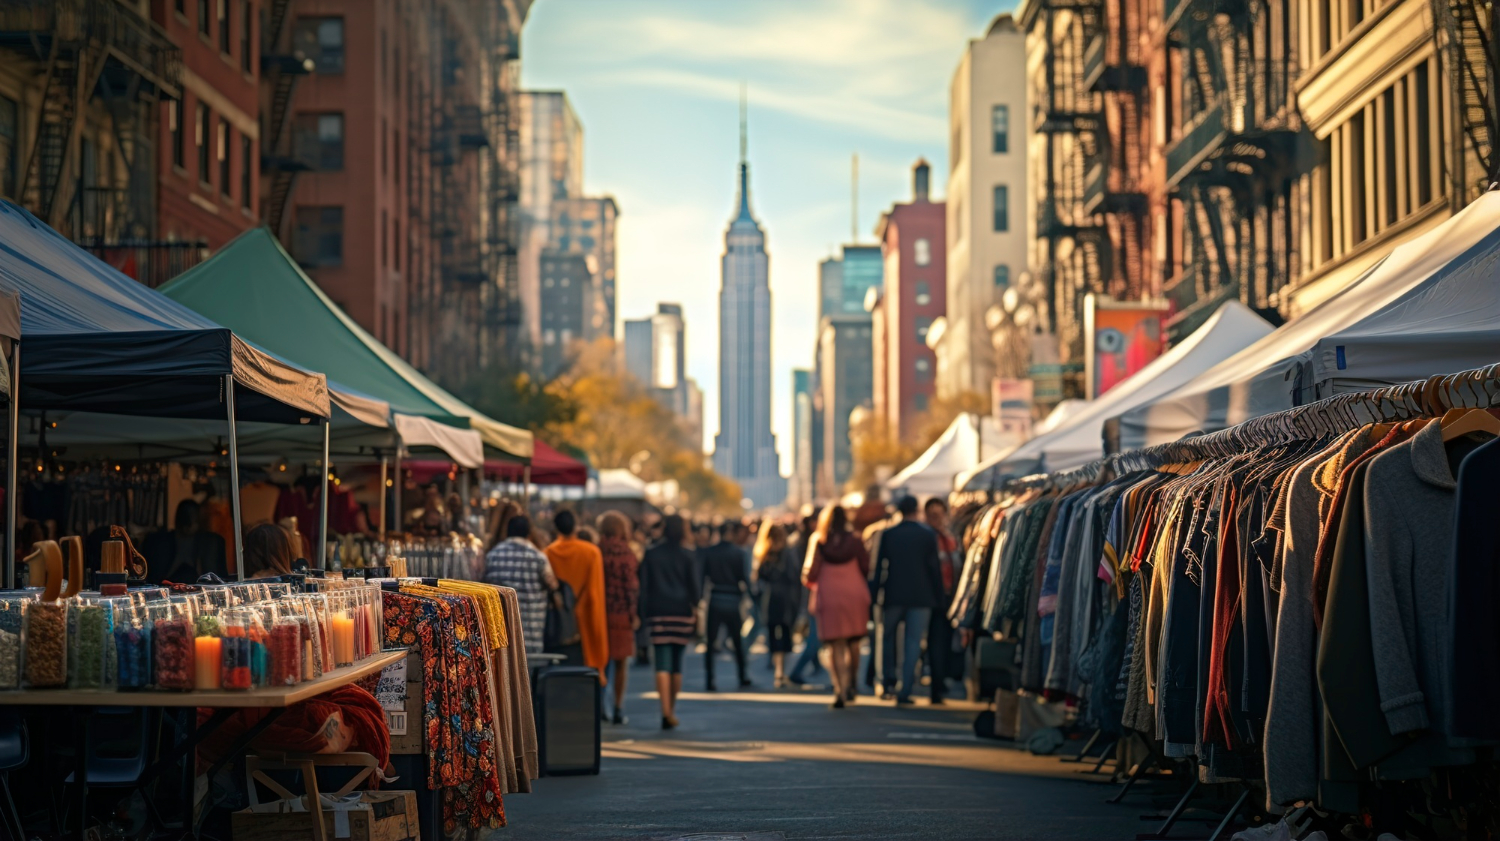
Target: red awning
(548, 467)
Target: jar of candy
(288, 627)
(91, 643)
(12, 608)
(234, 649)
(172, 642)
(132, 632)
(44, 645)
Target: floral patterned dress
(622, 588)
(457, 713)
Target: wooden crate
(411, 721)
(382, 816)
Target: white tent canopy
(1261, 378)
(617, 483)
(969, 440)
(1080, 439)
(1448, 322)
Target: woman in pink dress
(837, 573)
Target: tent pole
(234, 481)
(463, 498)
(323, 509)
(12, 467)
(396, 513)
(385, 466)
(526, 489)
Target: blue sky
(656, 85)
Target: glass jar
(132, 632)
(234, 650)
(12, 610)
(91, 643)
(44, 645)
(172, 642)
(341, 623)
(208, 648)
(288, 627)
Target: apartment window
(247, 23)
(1000, 129)
(223, 151)
(318, 239)
(1424, 137)
(10, 131)
(924, 372)
(549, 337)
(385, 242)
(1002, 208)
(224, 33)
(923, 325)
(203, 17)
(181, 7)
(247, 170)
(322, 40)
(385, 147)
(396, 244)
(203, 132)
(319, 141)
(174, 130)
(922, 251)
(1002, 277)
(396, 157)
(919, 401)
(924, 293)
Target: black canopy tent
(96, 340)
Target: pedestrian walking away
(801, 541)
(836, 571)
(727, 581)
(779, 578)
(621, 593)
(940, 654)
(514, 562)
(670, 584)
(580, 565)
(907, 584)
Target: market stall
(1265, 376)
(971, 439)
(1080, 439)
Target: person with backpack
(515, 563)
(668, 604)
(580, 565)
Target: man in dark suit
(727, 582)
(906, 581)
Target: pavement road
(762, 765)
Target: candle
(207, 662)
(343, 639)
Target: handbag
(562, 619)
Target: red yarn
(302, 728)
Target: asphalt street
(765, 764)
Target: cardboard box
(403, 715)
(378, 816)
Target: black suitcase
(567, 703)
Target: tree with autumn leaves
(597, 410)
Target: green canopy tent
(258, 290)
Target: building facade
(912, 237)
(551, 146)
(656, 355)
(988, 204)
(586, 227)
(567, 302)
(845, 382)
(745, 448)
(800, 490)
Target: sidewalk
(764, 764)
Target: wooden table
(225, 704)
(274, 696)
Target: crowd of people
(607, 592)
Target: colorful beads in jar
(11, 610)
(172, 643)
(234, 650)
(89, 639)
(132, 647)
(44, 645)
(286, 648)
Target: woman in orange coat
(579, 564)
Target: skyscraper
(745, 449)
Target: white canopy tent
(616, 483)
(969, 440)
(1263, 377)
(1081, 439)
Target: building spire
(744, 211)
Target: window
(923, 325)
(924, 372)
(549, 337)
(181, 7)
(247, 51)
(396, 157)
(922, 251)
(174, 130)
(203, 133)
(318, 239)
(1002, 208)
(10, 130)
(385, 147)
(224, 177)
(322, 40)
(385, 242)
(396, 244)
(224, 34)
(318, 140)
(203, 17)
(247, 171)
(919, 402)
(924, 293)
(1002, 277)
(1000, 128)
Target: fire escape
(1233, 160)
(1112, 187)
(1464, 37)
(1076, 250)
(281, 66)
(502, 236)
(88, 49)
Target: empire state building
(745, 449)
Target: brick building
(912, 237)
